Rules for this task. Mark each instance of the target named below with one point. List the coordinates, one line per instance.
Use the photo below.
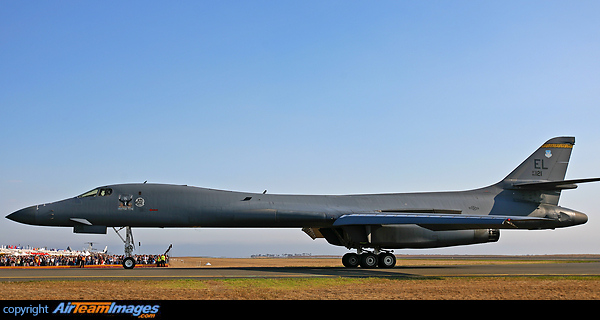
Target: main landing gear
(369, 260)
(129, 261)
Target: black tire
(368, 260)
(129, 263)
(387, 260)
(350, 260)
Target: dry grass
(520, 288)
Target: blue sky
(309, 97)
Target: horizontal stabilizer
(551, 185)
(452, 221)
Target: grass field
(478, 288)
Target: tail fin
(548, 163)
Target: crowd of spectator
(8, 260)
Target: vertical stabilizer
(548, 163)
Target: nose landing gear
(129, 261)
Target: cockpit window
(92, 193)
(101, 192)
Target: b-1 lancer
(371, 224)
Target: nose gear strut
(129, 261)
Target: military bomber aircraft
(371, 224)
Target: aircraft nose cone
(27, 215)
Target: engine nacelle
(405, 237)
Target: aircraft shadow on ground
(267, 272)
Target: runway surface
(531, 269)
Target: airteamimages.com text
(147, 311)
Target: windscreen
(92, 193)
(100, 192)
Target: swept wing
(439, 221)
